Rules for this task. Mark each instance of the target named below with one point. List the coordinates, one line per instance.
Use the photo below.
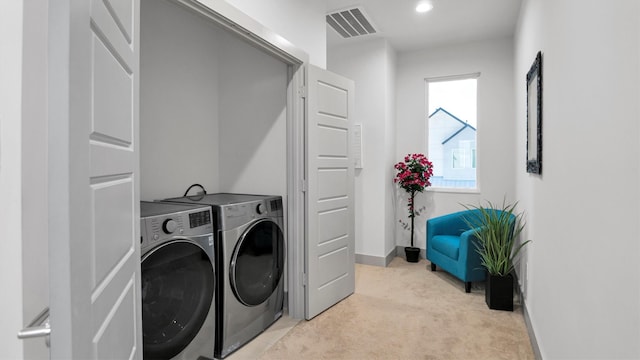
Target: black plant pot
(412, 253)
(499, 292)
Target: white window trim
(455, 190)
(427, 80)
(474, 75)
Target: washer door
(258, 262)
(177, 292)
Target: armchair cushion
(448, 245)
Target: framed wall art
(534, 116)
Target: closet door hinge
(304, 186)
(302, 91)
(305, 279)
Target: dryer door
(177, 292)
(258, 263)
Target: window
(452, 127)
(464, 157)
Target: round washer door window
(258, 263)
(177, 293)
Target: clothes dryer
(250, 245)
(178, 281)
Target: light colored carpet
(405, 311)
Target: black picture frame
(534, 116)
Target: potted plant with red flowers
(413, 176)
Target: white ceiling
(450, 21)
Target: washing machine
(250, 245)
(178, 281)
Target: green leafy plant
(497, 230)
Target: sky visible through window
(456, 96)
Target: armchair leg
(433, 267)
(467, 286)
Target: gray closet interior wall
(212, 108)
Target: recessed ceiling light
(423, 7)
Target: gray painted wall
(493, 59)
(370, 64)
(364, 62)
(10, 175)
(252, 110)
(212, 108)
(301, 22)
(23, 173)
(179, 69)
(581, 274)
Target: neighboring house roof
(463, 123)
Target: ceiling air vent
(350, 23)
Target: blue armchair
(451, 246)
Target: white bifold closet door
(93, 195)
(330, 258)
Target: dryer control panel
(235, 215)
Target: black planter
(412, 253)
(499, 292)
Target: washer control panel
(200, 218)
(160, 222)
(169, 226)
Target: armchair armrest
(468, 241)
(468, 251)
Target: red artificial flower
(413, 175)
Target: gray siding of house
(441, 127)
(446, 133)
(466, 173)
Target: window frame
(476, 160)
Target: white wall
(178, 101)
(212, 108)
(11, 22)
(371, 65)
(390, 159)
(302, 22)
(493, 59)
(582, 272)
(253, 122)
(35, 239)
(23, 173)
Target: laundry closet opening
(212, 108)
(215, 110)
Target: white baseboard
(527, 321)
(376, 260)
(400, 252)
